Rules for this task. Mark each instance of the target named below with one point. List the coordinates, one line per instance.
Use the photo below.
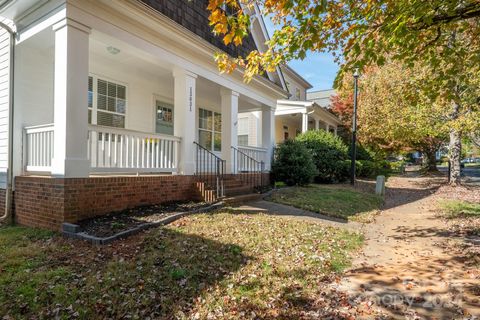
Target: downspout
(8, 216)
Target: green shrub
(372, 169)
(362, 153)
(397, 166)
(293, 164)
(329, 155)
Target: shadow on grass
(158, 275)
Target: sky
(317, 68)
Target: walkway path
(268, 207)
(410, 266)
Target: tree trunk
(455, 148)
(455, 157)
(431, 156)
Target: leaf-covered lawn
(335, 201)
(460, 209)
(218, 266)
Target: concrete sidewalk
(285, 211)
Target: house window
(297, 94)
(210, 130)
(163, 117)
(107, 103)
(243, 132)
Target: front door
(163, 117)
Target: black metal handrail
(210, 169)
(250, 169)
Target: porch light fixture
(113, 50)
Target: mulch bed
(111, 224)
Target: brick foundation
(48, 202)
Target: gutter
(8, 216)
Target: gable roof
(294, 74)
(322, 97)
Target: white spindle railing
(119, 150)
(38, 143)
(259, 154)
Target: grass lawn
(218, 266)
(335, 201)
(460, 209)
(472, 165)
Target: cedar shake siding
(193, 15)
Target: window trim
(158, 97)
(212, 131)
(95, 77)
(243, 133)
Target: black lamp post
(354, 128)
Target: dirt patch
(114, 223)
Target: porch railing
(38, 148)
(210, 169)
(249, 169)
(120, 150)
(259, 154)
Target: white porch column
(229, 126)
(336, 128)
(70, 157)
(327, 127)
(304, 122)
(268, 134)
(317, 124)
(184, 119)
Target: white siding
(254, 128)
(4, 99)
(293, 86)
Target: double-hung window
(210, 130)
(107, 102)
(243, 132)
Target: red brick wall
(48, 202)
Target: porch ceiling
(127, 55)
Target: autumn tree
(442, 35)
(396, 114)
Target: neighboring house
(301, 113)
(322, 97)
(118, 104)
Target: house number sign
(190, 99)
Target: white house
(114, 94)
(111, 104)
(299, 113)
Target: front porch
(295, 117)
(141, 114)
(112, 121)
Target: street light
(354, 128)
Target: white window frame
(212, 131)
(95, 109)
(158, 97)
(243, 133)
(298, 94)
